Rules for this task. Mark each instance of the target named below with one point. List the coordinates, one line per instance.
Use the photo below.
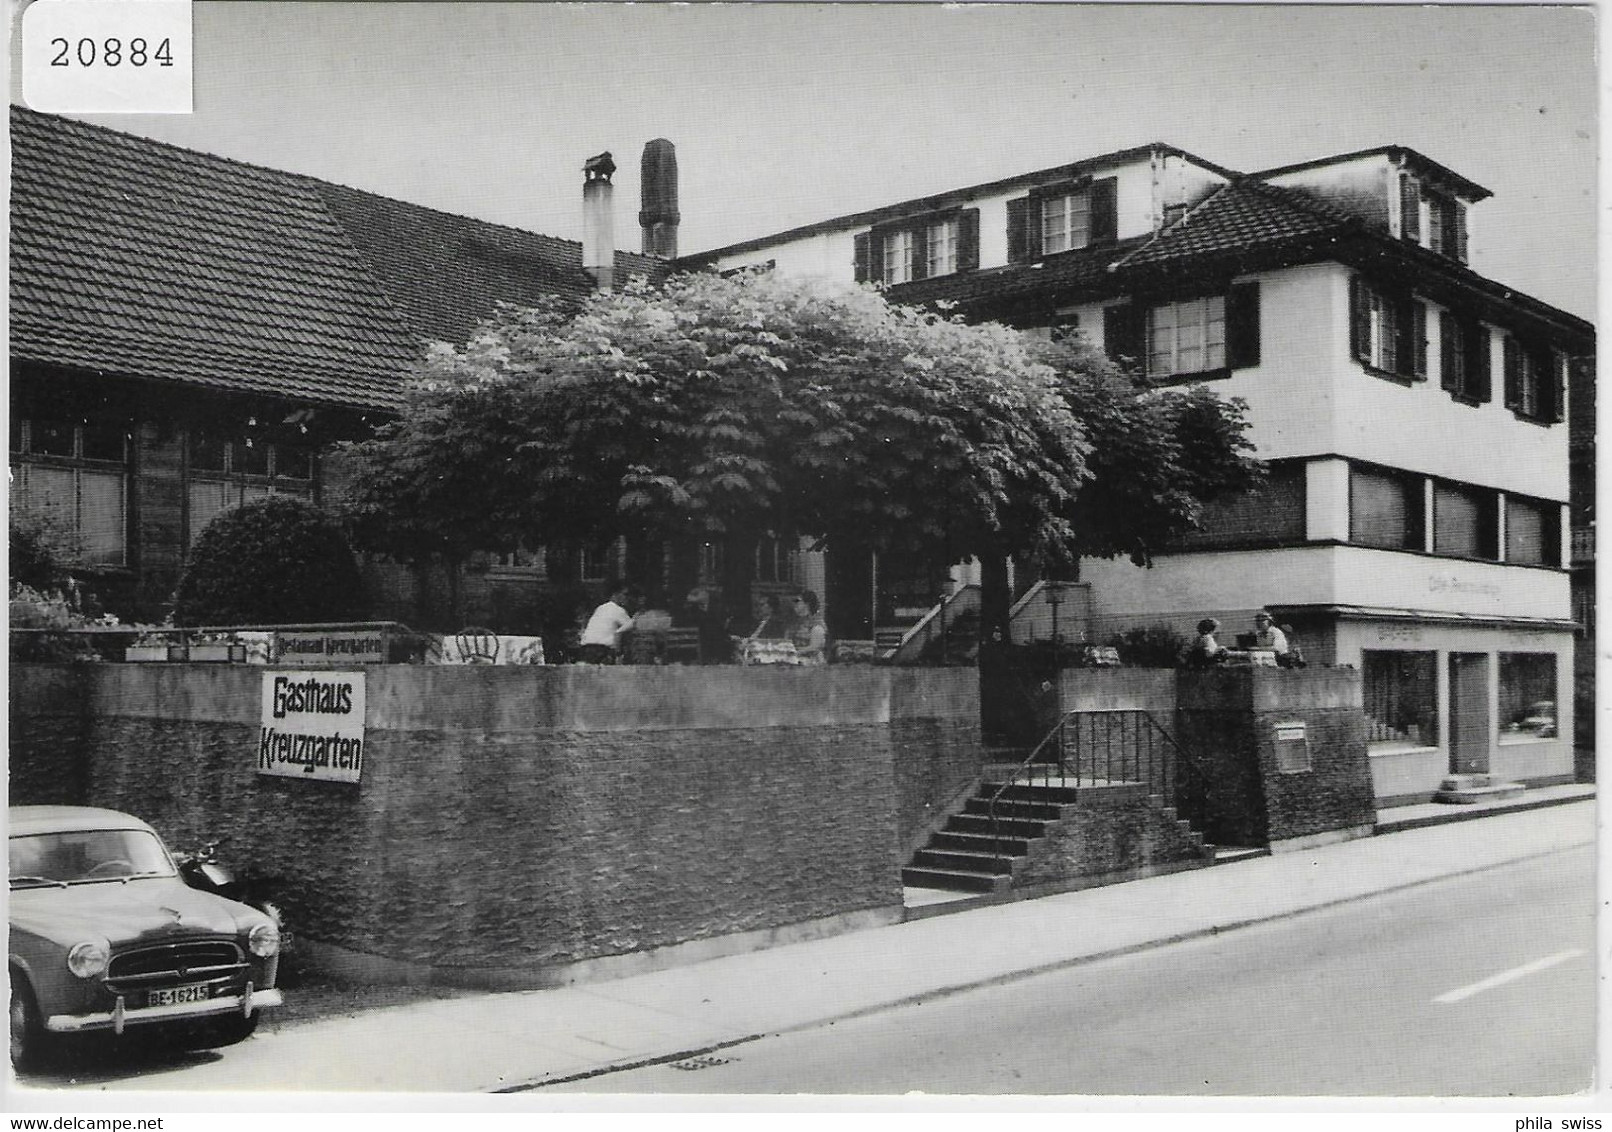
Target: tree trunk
(997, 705)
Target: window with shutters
(1533, 532)
(1187, 339)
(1065, 222)
(1388, 331)
(1464, 358)
(76, 473)
(1465, 521)
(1385, 509)
(225, 471)
(1187, 336)
(1535, 385)
(1062, 218)
(923, 248)
(1442, 220)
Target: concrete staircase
(1039, 834)
(1468, 789)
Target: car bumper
(120, 1017)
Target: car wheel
(29, 1041)
(225, 1031)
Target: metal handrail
(1142, 756)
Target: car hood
(146, 911)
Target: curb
(1472, 813)
(1032, 972)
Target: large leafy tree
(731, 406)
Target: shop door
(1469, 713)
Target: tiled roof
(1077, 270)
(147, 260)
(1242, 218)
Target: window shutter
(1104, 210)
(864, 257)
(1512, 362)
(1359, 320)
(1418, 340)
(1438, 233)
(1450, 353)
(1552, 386)
(1410, 208)
(1479, 384)
(968, 239)
(919, 245)
(1458, 228)
(1405, 337)
(1018, 233)
(1242, 326)
(1124, 331)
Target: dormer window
(909, 250)
(1061, 218)
(1432, 218)
(1065, 222)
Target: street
(1479, 985)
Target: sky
(784, 114)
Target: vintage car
(106, 936)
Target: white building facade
(1412, 414)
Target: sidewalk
(515, 1041)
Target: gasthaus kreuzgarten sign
(313, 725)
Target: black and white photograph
(803, 557)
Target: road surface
(1479, 985)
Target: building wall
(518, 820)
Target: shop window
(1401, 698)
(76, 474)
(1527, 696)
(1385, 509)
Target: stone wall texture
(525, 818)
(1243, 795)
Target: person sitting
(715, 645)
(1267, 636)
(602, 637)
(810, 634)
(1205, 651)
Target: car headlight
(88, 959)
(264, 941)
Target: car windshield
(86, 856)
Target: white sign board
(313, 725)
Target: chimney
(598, 225)
(658, 184)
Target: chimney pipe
(598, 222)
(658, 185)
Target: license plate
(173, 996)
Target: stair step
(1072, 791)
(1005, 827)
(914, 877)
(1017, 808)
(962, 861)
(979, 843)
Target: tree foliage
(278, 560)
(719, 406)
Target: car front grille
(173, 964)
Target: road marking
(1508, 976)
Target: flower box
(214, 652)
(133, 653)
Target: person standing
(601, 638)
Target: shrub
(276, 560)
(1155, 646)
(41, 552)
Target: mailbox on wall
(1292, 748)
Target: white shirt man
(607, 624)
(1268, 636)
